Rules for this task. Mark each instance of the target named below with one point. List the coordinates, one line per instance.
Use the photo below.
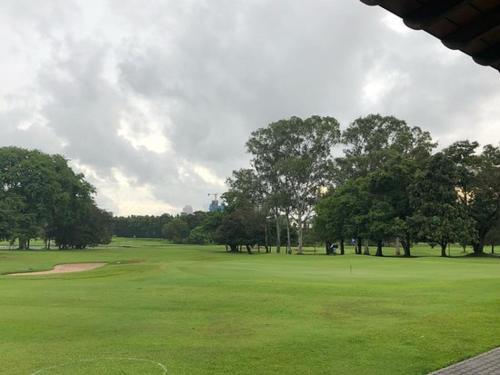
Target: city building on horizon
(214, 206)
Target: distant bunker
(62, 268)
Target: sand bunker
(63, 268)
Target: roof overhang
(471, 26)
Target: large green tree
(294, 159)
(370, 140)
(176, 230)
(42, 197)
(240, 227)
(478, 186)
(493, 236)
(390, 154)
(439, 216)
(342, 214)
(247, 190)
(91, 228)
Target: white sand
(63, 268)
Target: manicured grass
(199, 310)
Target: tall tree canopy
(439, 217)
(478, 186)
(293, 159)
(372, 139)
(390, 154)
(41, 197)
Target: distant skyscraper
(188, 210)
(214, 206)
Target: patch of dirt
(63, 268)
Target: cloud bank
(154, 101)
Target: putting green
(199, 310)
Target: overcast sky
(154, 100)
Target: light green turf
(199, 310)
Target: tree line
(42, 197)
(200, 228)
(378, 182)
(388, 184)
(192, 228)
(140, 226)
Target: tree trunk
(443, 248)
(22, 244)
(358, 246)
(278, 234)
(406, 243)
(407, 249)
(367, 249)
(327, 247)
(249, 249)
(300, 236)
(492, 248)
(478, 247)
(379, 249)
(234, 248)
(266, 236)
(398, 247)
(288, 242)
(342, 252)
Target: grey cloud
(213, 71)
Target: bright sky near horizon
(154, 100)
